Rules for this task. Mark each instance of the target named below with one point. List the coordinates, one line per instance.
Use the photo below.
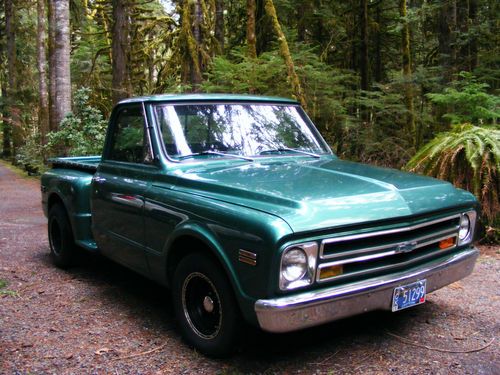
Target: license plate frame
(409, 295)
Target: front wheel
(205, 307)
(62, 245)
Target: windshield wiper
(286, 149)
(210, 152)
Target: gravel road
(101, 318)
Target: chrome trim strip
(247, 257)
(385, 254)
(448, 232)
(384, 268)
(358, 259)
(379, 233)
(247, 254)
(423, 244)
(251, 262)
(311, 308)
(127, 200)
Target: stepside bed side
(71, 188)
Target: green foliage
(327, 89)
(469, 157)
(31, 155)
(325, 41)
(7, 292)
(466, 100)
(81, 132)
(379, 136)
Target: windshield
(246, 130)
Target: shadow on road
(150, 303)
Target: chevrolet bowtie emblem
(406, 247)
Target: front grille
(387, 250)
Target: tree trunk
(463, 52)
(263, 27)
(251, 40)
(197, 21)
(191, 65)
(406, 60)
(378, 47)
(52, 65)
(43, 101)
(285, 52)
(305, 14)
(60, 61)
(13, 113)
(473, 39)
(120, 49)
(219, 24)
(446, 38)
(6, 130)
(363, 61)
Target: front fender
(202, 233)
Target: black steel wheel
(62, 245)
(205, 306)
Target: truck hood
(324, 193)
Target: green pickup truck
(240, 208)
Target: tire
(205, 307)
(62, 244)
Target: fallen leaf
(102, 351)
(456, 285)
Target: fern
(469, 157)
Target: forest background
(410, 84)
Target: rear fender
(72, 188)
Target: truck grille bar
(387, 250)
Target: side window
(129, 141)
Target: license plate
(408, 295)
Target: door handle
(99, 180)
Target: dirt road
(101, 318)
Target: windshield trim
(292, 103)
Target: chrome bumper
(312, 308)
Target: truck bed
(84, 163)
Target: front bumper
(313, 308)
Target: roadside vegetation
(6, 292)
(398, 83)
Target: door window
(129, 142)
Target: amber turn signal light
(330, 271)
(447, 243)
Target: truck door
(119, 186)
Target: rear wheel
(205, 306)
(62, 244)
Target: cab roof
(207, 97)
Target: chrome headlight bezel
(467, 222)
(310, 250)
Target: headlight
(294, 264)
(466, 227)
(298, 265)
